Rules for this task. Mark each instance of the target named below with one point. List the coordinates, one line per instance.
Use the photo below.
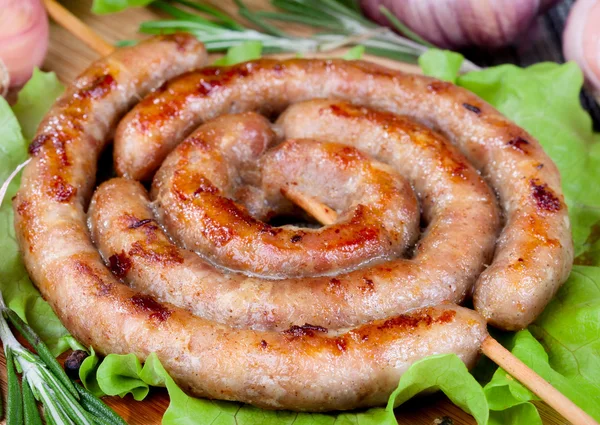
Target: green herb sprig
(341, 19)
(44, 380)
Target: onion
(23, 37)
(581, 40)
(461, 23)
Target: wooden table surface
(68, 57)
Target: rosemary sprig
(341, 19)
(95, 406)
(44, 380)
(41, 349)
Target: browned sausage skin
(457, 204)
(351, 369)
(225, 161)
(534, 252)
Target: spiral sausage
(460, 238)
(230, 336)
(306, 367)
(220, 162)
(534, 252)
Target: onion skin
(23, 37)
(461, 23)
(581, 40)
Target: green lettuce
(119, 375)
(246, 51)
(354, 53)
(442, 64)
(34, 100)
(112, 6)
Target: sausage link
(534, 253)
(196, 186)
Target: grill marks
(519, 144)
(424, 318)
(140, 223)
(148, 304)
(60, 190)
(472, 108)
(372, 334)
(205, 82)
(53, 143)
(305, 330)
(544, 197)
(151, 248)
(97, 88)
(119, 264)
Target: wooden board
(67, 56)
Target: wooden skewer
(80, 30)
(538, 385)
(490, 347)
(325, 215)
(322, 213)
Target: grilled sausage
(462, 224)
(304, 368)
(194, 188)
(534, 252)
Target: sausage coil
(286, 317)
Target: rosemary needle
(342, 21)
(41, 349)
(44, 380)
(14, 414)
(95, 406)
(30, 409)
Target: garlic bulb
(461, 23)
(581, 40)
(23, 37)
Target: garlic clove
(581, 40)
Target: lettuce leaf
(31, 107)
(124, 374)
(503, 392)
(441, 64)
(354, 53)
(111, 6)
(246, 51)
